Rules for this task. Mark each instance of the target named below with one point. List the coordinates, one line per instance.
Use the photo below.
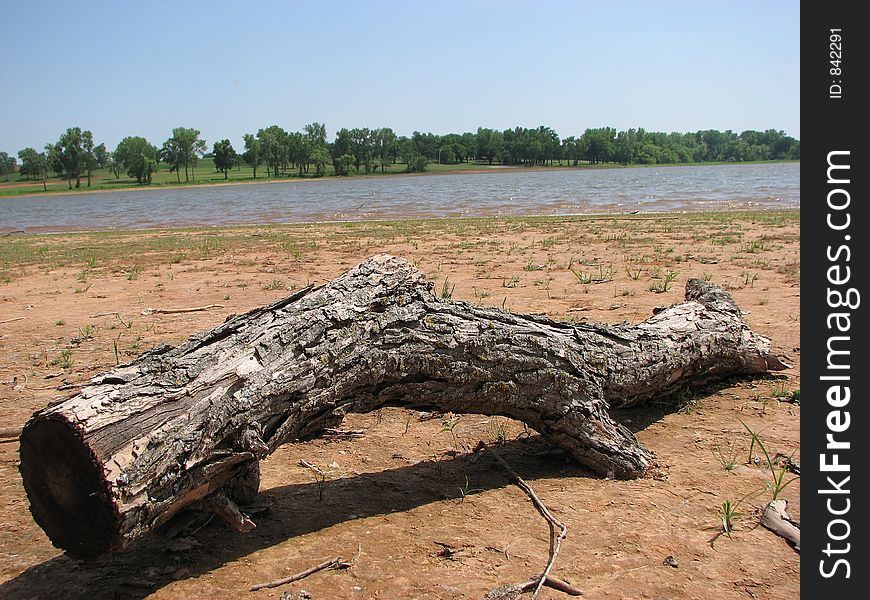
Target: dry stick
(12, 320)
(333, 563)
(172, 311)
(553, 522)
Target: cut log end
(68, 493)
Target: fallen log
(179, 425)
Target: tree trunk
(172, 428)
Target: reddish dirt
(395, 498)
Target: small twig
(13, 319)
(333, 563)
(553, 522)
(172, 311)
(308, 465)
(104, 314)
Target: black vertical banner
(835, 225)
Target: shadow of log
(295, 510)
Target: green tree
(187, 148)
(40, 168)
(89, 160)
(598, 145)
(7, 165)
(138, 157)
(101, 155)
(318, 149)
(170, 153)
(385, 146)
(252, 152)
(339, 148)
(225, 157)
(69, 155)
(29, 158)
(274, 148)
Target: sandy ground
(423, 516)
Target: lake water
(513, 192)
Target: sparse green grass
(602, 276)
(664, 284)
(274, 284)
(727, 458)
(498, 430)
(446, 290)
(778, 472)
(64, 360)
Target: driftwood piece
(147, 439)
(775, 518)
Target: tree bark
(178, 425)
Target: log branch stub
(149, 438)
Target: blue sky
(227, 68)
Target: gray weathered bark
(186, 424)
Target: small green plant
(532, 267)
(753, 247)
(60, 322)
(510, 283)
(778, 390)
(603, 275)
(465, 491)
(115, 350)
(664, 285)
(728, 514)
(275, 284)
(133, 273)
(498, 431)
(446, 290)
(750, 279)
(778, 472)
(126, 324)
(64, 359)
(633, 272)
(728, 459)
(86, 332)
(449, 426)
(707, 276)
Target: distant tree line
(362, 150)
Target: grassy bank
(104, 179)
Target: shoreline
(470, 171)
(575, 217)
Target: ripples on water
(498, 193)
